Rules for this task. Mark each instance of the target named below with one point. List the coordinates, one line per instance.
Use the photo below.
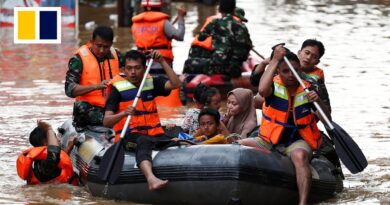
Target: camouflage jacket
(83, 112)
(231, 42)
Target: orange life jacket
(145, 120)
(275, 115)
(208, 42)
(93, 73)
(25, 161)
(317, 74)
(148, 33)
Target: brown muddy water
(356, 62)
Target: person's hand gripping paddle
(113, 159)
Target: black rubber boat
(201, 174)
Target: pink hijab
(245, 121)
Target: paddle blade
(118, 165)
(112, 163)
(347, 149)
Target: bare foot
(156, 183)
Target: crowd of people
(104, 84)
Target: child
(309, 56)
(211, 130)
(204, 96)
(241, 115)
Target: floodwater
(357, 40)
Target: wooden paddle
(348, 151)
(112, 161)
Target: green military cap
(240, 13)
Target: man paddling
(309, 56)
(144, 132)
(288, 123)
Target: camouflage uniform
(199, 52)
(231, 44)
(83, 112)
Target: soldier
(89, 73)
(203, 49)
(231, 44)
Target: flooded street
(356, 65)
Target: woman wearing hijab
(241, 113)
